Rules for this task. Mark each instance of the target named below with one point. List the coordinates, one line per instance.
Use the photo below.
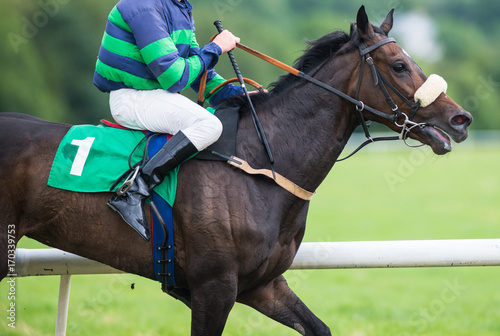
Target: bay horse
(235, 234)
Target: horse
(236, 234)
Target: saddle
(224, 147)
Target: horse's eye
(399, 67)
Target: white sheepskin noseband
(430, 90)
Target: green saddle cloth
(91, 158)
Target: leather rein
(379, 80)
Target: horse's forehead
(394, 49)
(412, 61)
(397, 49)
(406, 53)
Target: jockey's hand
(226, 41)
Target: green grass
(374, 196)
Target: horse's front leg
(211, 302)
(277, 301)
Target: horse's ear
(386, 26)
(365, 29)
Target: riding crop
(255, 118)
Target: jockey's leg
(159, 111)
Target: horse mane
(317, 52)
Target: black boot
(131, 204)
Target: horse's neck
(307, 130)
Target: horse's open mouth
(438, 140)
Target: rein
(424, 96)
(379, 80)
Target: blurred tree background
(48, 48)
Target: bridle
(406, 126)
(380, 80)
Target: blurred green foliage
(48, 48)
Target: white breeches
(161, 111)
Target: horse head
(412, 104)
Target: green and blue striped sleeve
(159, 49)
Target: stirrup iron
(129, 181)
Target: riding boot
(131, 204)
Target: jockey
(149, 54)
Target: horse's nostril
(461, 119)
